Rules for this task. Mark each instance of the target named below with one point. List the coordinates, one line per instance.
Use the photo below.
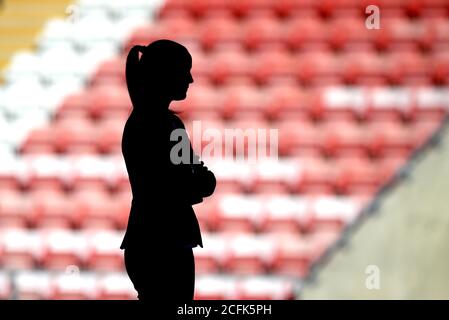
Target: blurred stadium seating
(351, 105)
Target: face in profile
(167, 68)
(180, 79)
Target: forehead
(172, 60)
(181, 61)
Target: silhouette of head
(162, 72)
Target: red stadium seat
(273, 187)
(227, 65)
(389, 138)
(103, 251)
(389, 104)
(430, 105)
(196, 8)
(275, 173)
(291, 8)
(439, 25)
(74, 136)
(52, 210)
(208, 259)
(200, 99)
(322, 241)
(109, 135)
(285, 102)
(219, 30)
(346, 33)
(302, 33)
(364, 68)
(423, 130)
(73, 286)
(241, 105)
(39, 140)
(32, 285)
(115, 287)
(252, 139)
(439, 68)
(96, 210)
(206, 136)
(46, 172)
(261, 31)
(206, 214)
(332, 212)
(62, 250)
(303, 136)
(237, 213)
(89, 173)
(355, 175)
(20, 249)
(5, 286)
(344, 138)
(405, 67)
(264, 289)
(246, 7)
(123, 208)
(316, 67)
(110, 71)
(272, 66)
(173, 5)
(109, 100)
(247, 254)
(316, 177)
(340, 104)
(232, 175)
(215, 288)
(286, 214)
(74, 105)
(293, 256)
(180, 27)
(15, 209)
(142, 36)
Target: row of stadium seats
(276, 102)
(316, 66)
(264, 68)
(264, 29)
(341, 175)
(87, 29)
(239, 253)
(273, 71)
(59, 61)
(111, 107)
(93, 209)
(116, 286)
(79, 136)
(294, 8)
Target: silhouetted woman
(162, 227)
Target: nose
(190, 78)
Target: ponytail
(132, 74)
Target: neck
(153, 105)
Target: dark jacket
(163, 193)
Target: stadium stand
(352, 105)
(21, 21)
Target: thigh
(179, 273)
(167, 275)
(184, 279)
